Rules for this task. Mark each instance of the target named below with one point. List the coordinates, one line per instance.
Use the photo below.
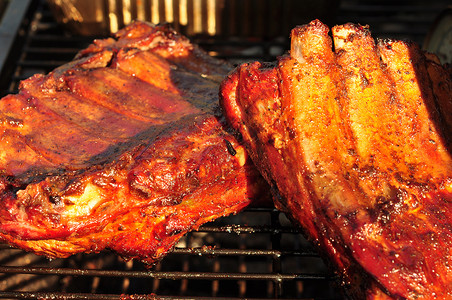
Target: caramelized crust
(121, 149)
(358, 150)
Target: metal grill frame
(273, 280)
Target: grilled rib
(123, 148)
(356, 141)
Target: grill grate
(255, 254)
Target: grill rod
(160, 275)
(83, 296)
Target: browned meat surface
(121, 149)
(357, 142)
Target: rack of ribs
(124, 148)
(355, 137)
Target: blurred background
(251, 19)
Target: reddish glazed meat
(123, 149)
(357, 142)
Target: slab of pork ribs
(123, 148)
(357, 140)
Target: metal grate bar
(245, 252)
(90, 296)
(40, 64)
(161, 275)
(238, 229)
